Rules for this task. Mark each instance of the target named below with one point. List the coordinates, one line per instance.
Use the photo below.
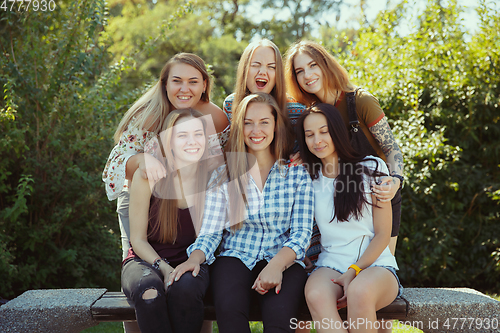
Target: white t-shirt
(343, 243)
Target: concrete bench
(72, 310)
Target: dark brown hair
(349, 195)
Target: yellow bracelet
(356, 268)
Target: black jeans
(179, 310)
(231, 285)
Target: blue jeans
(178, 310)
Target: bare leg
(373, 289)
(392, 247)
(321, 296)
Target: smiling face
(309, 74)
(261, 75)
(188, 141)
(184, 86)
(318, 139)
(258, 127)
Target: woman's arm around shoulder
(388, 187)
(218, 116)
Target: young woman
(261, 70)
(164, 225)
(184, 82)
(265, 233)
(315, 76)
(355, 267)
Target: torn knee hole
(150, 294)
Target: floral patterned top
(134, 141)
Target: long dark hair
(349, 195)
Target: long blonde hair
(167, 216)
(279, 89)
(152, 108)
(334, 75)
(237, 162)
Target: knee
(316, 298)
(187, 287)
(149, 294)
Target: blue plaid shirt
(281, 215)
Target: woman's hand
(295, 159)
(344, 280)
(309, 265)
(270, 277)
(193, 263)
(186, 266)
(151, 168)
(166, 270)
(387, 188)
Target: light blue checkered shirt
(281, 215)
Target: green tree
(442, 93)
(208, 31)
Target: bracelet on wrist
(356, 269)
(156, 263)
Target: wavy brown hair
(334, 75)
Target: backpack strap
(351, 109)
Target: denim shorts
(389, 268)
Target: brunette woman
(355, 267)
(314, 76)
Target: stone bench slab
(432, 310)
(51, 310)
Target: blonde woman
(260, 255)
(184, 82)
(261, 70)
(163, 225)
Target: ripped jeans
(179, 310)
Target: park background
(68, 75)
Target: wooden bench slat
(114, 306)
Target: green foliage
(444, 92)
(56, 114)
(200, 32)
(66, 81)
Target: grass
(111, 327)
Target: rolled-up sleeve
(302, 217)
